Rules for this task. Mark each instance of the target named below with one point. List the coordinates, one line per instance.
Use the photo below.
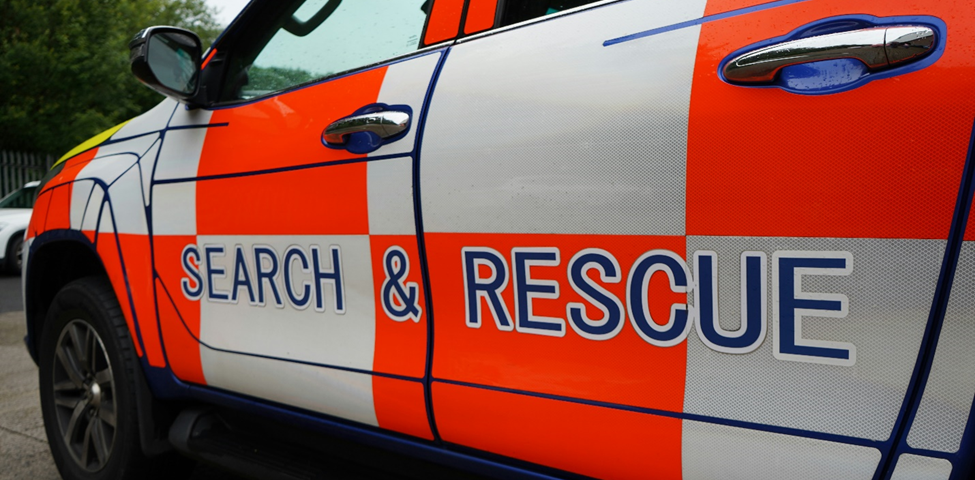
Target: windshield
(23, 198)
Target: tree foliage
(64, 66)
(268, 79)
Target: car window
(313, 39)
(23, 198)
(516, 11)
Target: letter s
(194, 290)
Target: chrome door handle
(383, 124)
(877, 48)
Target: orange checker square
(623, 369)
(883, 160)
(285, 130)
(179, 317)
(587, 439)
(108, 252)
(480, 15)
(401, 344)
(39, 215)
(401, 406)
(444, 22)
(52, 208)
(329, 200)
(136, 255)
(59, 210)
(73, 166)
(715, 7)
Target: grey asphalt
(24, 451)
(23, 445)
(10, 299)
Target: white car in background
(15, 210)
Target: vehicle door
(641, 267)
(287, 257)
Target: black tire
(14, 260)
(95, 386)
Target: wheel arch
(56, 258)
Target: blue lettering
(267, 276)
(194, 290)
(241, 277)
(791, 304)
(396, 290)
(527, 289)
(299, 302)
(490, 288)
(609, 272)
(210, 251)
(637, 285)
(332, 277)
(751, 334)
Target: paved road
(23, 444)
(24, 451)
(10, 299)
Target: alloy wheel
(84, 396)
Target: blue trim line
(77, 236)
(317, 82)
(153, 132)
(922, 368)
(268, 357)
(289, 168)
(50, 236)
(680, 415)
(87, 204)
(699, 21)
(409, 446)
(195, 127)
(98, 220)
(964, 465)
(422, 245)
(125, 275)
(515, 462)
(162, 381)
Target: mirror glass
(173, 58)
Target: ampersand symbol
(399, 298)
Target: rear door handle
(877, 48)
(383, 124)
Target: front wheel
(88, 386)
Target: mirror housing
(167, 59)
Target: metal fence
(18, 168)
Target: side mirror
(167, 59)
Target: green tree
(64, 66)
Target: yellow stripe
(92, 142)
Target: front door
(287, 259)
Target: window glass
(23, 198)
(516, 11)
(304, 47)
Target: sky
(227, 9)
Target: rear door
(640, 269)
(287, 261)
